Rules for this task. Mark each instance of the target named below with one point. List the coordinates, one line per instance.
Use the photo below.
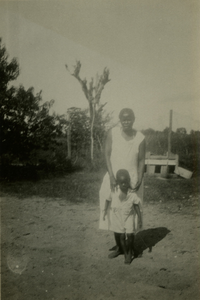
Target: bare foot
(128, 258)
(127, 261)
(113, 248)
(114, 254)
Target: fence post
(169, 133)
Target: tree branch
(83, 83)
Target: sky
(150, 47)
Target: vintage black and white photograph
(100, 149)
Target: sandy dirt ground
(52, 249)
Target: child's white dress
(122, 212)
(121, 216)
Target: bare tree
(92, 92)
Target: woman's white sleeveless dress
(124, 155)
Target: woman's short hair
(127, 111)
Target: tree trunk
(100, 145)
(91, 133)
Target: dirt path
(53, 250)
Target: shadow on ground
(147, 239)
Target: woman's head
(127, 118)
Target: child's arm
(138, 212)
(105, 209)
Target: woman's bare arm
(108, 150)
(107, 203)
(138, 212)
(141, 164)
(141, 160)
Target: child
(123, 208)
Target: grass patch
(169, 190)
(74, 187)
(84, 187)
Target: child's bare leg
(119, 249)
(130, 246)
(123, 245)
(118, 241)
(135, 253)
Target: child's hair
(123, 172)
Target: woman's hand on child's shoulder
(137, 186)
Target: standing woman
(124, 149)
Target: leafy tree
(25, 122)
(181, 131)
(80, 135)
(92, 92)
(101, 125)
(9, 71)
(180, 141)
